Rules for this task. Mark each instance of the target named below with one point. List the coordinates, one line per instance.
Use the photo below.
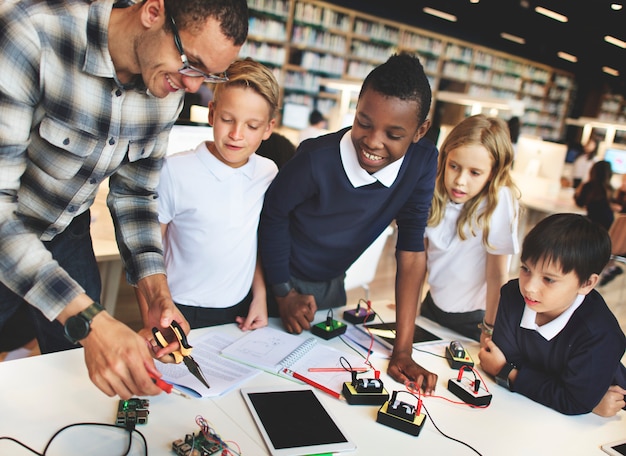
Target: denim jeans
(73, 250)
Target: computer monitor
(616, 156)
(538, 158)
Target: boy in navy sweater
(555, 340)
(337, 195)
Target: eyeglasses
(190, 70)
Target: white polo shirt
(212, 212)
(456, 268)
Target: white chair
(363, 270)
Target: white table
(41, 394)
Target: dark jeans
(202, 317)
(465, 323)
(73, 250)
(329, 294)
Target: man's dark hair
(192, 14)
(401, 76)
(571, 240)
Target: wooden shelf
(312, 40)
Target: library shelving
(309, 42)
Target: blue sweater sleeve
(572, 372)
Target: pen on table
(312, 383)
(167, 387)
(337, 369)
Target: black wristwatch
(78, 326)
(502, 378)
(281, 290)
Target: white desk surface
(41, 394)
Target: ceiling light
(568, 57)
(551, 14)
(440, 14)
(611, 71)
(516, 39)
(616, 6)
(615, 41)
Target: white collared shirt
(358, 176)
(551, 329)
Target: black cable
(447, 436)
(56, 434)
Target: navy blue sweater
(571, 372)
(315, 224)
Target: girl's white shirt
(457, 268)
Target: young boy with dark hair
(340, 192)
(555, 340)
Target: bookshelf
(308, 42)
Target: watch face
(76, 328)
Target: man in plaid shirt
(89, 90)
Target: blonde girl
(472, 227)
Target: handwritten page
(222, 373)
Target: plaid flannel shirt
(66, 124)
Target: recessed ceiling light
(615, 41)
(440, 14)
(568, 57)
(611, 71)
(514, 38)
(551, 14)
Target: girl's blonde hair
(493, 134)
(249, 73)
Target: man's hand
(402, 368)
(118, 359)
(296, 311)
(612, 402)
(158, 311)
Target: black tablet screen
(295, 418)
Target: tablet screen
(294, 421)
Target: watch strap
(94, 309)
(281, 290)
(502, 377)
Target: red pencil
(312, 383)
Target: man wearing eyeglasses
(89, 91)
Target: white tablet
(615, 448)
(293, 421)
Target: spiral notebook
(275, 351)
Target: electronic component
(457, 356)
(364, 391)
(359, 315)
(469, 390)
(196, 445)
(132, 412)
(401, 415)
(329, 328)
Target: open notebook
(281, 353)
(222, 374)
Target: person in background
(317, 126)
(277, 148)
(596, 194)
(472, 228)
(555, 340)
(583, 163)
(515, 126)
(210, 242)
(94, 96)
(340, 192)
